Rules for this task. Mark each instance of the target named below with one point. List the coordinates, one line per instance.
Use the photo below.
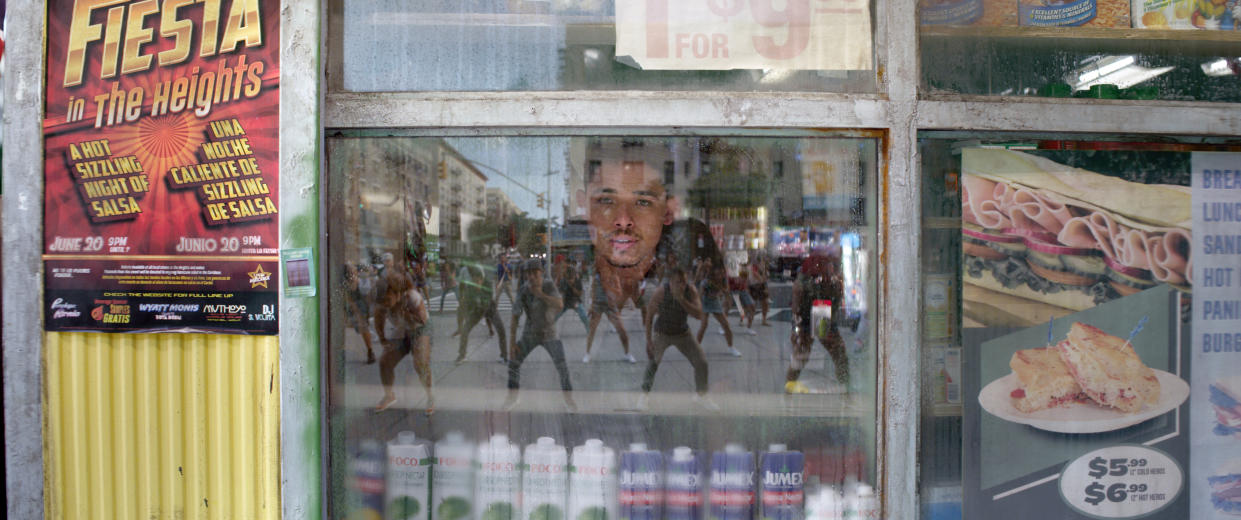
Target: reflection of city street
(466, 215)
(609, 383)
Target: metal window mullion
(603, 109)
(23, 263)
(1073, 115)
(898, 341)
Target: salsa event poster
(161, 136)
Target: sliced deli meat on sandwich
(1226, 398)
(1044, 380)
(1108, 369)
(1226, 487)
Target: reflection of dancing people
(569, 282)
(758, 286)
(476, 304)
(601, 305)
(739, 287)
(475, 273)
(538, 301)
(504, 275)
(358, 307)
(817, 284)
(712, 289)
(667, 325)
(448, 282)
(401, 319)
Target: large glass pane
(1079, 331)
(711, 293)
(524, 45)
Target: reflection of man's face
(628, 209)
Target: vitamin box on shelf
(1187, 14)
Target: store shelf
(1095, 38)
(828, 405)
(954, 111)
(946, 410)
(941, 223)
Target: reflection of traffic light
(443, 166)
(540, 201)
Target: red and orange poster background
(161, 131)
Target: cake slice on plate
(1107, 369)
(1044, 380)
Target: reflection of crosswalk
(451, 303)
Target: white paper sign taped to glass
(744, 34)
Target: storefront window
(585, 327)
(1073, 290)
(549, 45)
(1099, 49)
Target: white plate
(1080, 417)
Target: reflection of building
(500, 207)
(398, 180)
(392, 180)
(462, 197)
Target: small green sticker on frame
(299, 272)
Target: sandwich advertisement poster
(161, 166)
(1215, 410)
(1100, 334)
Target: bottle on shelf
(860, 501)
(366, 481)
(825, 504)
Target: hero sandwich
(1226, 398)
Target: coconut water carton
(497, 482)
(452, 478)
(409, 478)
(592, 482)
(544, 481)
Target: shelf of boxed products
(493, 478)
(833, 405)
(1095, 63)
(1182, 41)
